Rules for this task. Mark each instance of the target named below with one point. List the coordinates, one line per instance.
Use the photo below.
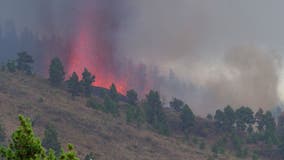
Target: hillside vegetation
(112, 126)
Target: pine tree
(73, 84)
(24, 144)
(187, 118)
(113, 92)
(56, 72)
(132, 97)
(87, 81)
(24, 62)
(155, 114)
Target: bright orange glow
(91, 52)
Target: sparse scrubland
(108, 125)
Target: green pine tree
(73, 85)
(24, 62)
(87, 81)
(56, 72)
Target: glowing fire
(91, 52)
(91, 49)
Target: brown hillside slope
(89, 130)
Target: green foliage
(70, 154)
(110, 106)
(270, 128)
(255, 156)
(242, 153)
(244, 118)
(87, 81)
(50, 140)
(24, 62)
(132, 97)
(219, 147)
(56, 72)
(113, 92)
(259, 118)
(209, 117)
(134, 114)
(177, 104)
(219, 118)
(11, 66)
(238, 143)
(90, 156)
(2, 134)
(51, 155)
(187, 119)
(230, 118)
(92, 103)
(155, 115)
(73, 85)
(24, 144)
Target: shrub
(92, 103)
(110, 106)
(134, 114)
(90, 156)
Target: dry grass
(89, 130)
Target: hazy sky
(230, 48)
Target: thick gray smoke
(208, 53)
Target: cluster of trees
(242, 125)
(243, 121)
(74, 85)
(22, 63)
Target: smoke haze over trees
(209, 54)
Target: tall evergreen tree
(87, 81)
(155, 114)
(24, 62)
(24, 144)
(113, 92)
(219, 119)
(187, 118)
(230, 119)
(244, 118)
(132, 97)
(259, 117)
(56, 72)
(73, 84)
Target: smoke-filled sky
(208, 53)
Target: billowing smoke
(207, 53)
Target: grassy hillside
(88, 129)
